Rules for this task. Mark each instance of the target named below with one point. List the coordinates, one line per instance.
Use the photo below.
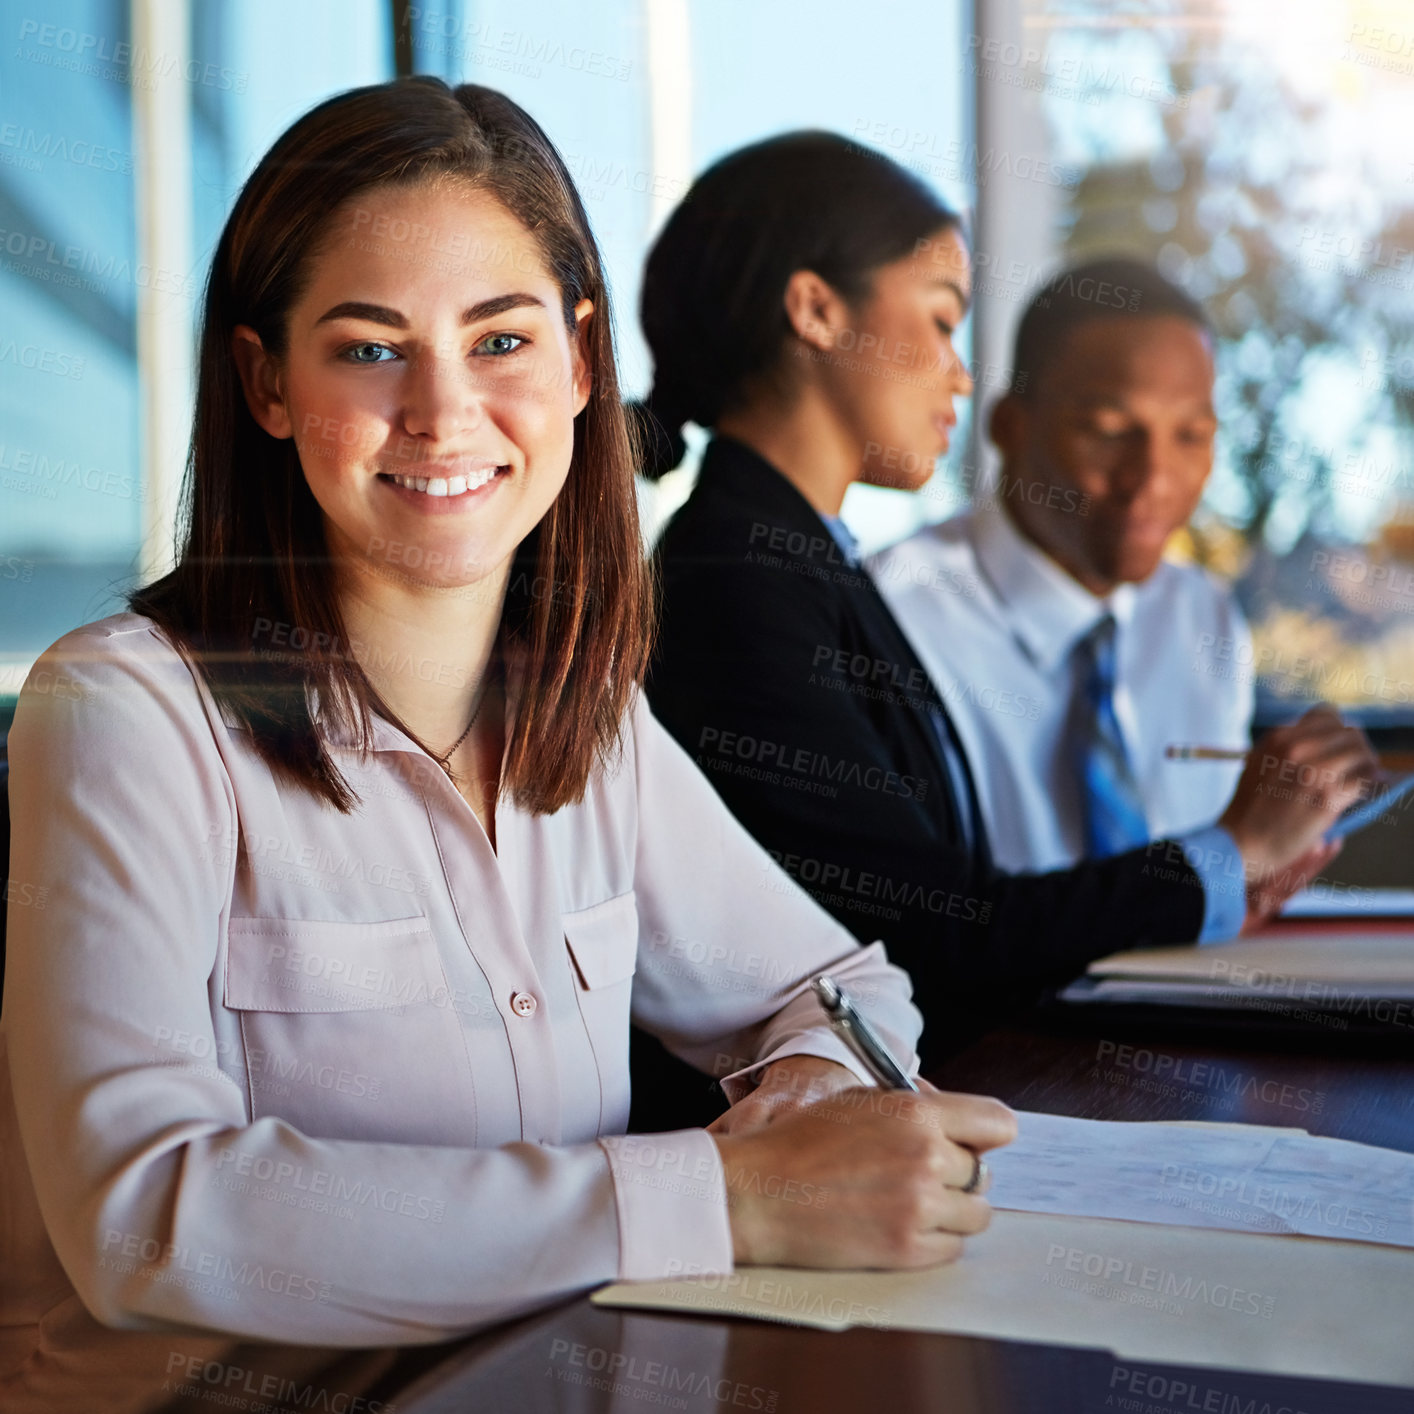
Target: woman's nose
(441, 397)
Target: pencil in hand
(1205, 753)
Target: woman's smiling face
(429, 381)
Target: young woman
(358, 845)
(801, 303)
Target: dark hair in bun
(712, 307)
(657, 432)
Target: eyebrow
(391, 319)
(1091, 401)
(948, 283)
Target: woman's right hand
(866, 1178)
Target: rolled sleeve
(671, 1195)
(823, 1045)
(1214, 857)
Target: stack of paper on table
(1233, 1177)
(1354, 970)
(1152, 1279)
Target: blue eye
(499, 345)
(368, 353)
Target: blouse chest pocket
(603, 941)
(349, 1030)
(603, 952)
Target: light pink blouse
(342, 1080)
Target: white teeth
(447, 486)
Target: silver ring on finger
(980, 1175)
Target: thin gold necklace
(445, 760)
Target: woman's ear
(260, 381)
(816, 312)
(582, 379)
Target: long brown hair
(577, 620)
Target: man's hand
(1297, 781)
(1266, 898)
(787, 1085)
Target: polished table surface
(580, 1357)
(1093, 1062)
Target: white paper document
(1365, 956)
(1356, 973)
(1292, 1306)
(1234, 1177)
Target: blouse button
(523, 1004)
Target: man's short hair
(1115, 287)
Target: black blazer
(783, 674)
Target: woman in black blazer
(801, 303)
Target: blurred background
(1260, 153)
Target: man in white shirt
(1069, 653)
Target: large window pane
(641, 95)
(1263, 164)
(72, 269)
(70, 492)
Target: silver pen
(850, 1026)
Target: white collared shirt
(274, 1070)
(995, 621)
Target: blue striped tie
(1114, 810)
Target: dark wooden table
(579, 1357)
(1357, 1088)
